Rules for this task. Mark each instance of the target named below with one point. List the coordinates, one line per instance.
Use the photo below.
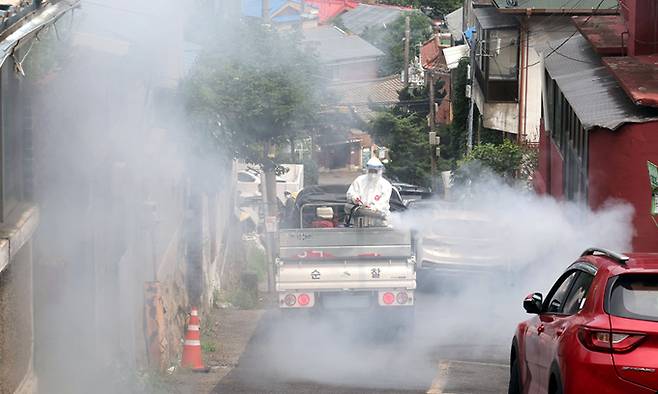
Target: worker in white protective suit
(371, 189)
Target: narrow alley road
(336, 357)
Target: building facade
(600, 129)
(507, 41)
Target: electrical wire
(553, 50)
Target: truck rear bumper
(346, 300)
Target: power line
(553, 50)
(573, 58)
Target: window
(578, 294)
(571, 139)
(558, 294)
(634, 297)
(502, 51)
(497, 61)
(247, 178)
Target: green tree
(390, 39)
(454, 136)
(406, 138)
(252, 89)
(504, 159)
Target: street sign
(271, 224)
(432, 137)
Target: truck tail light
(609, 341)
(402, 297)
(303, 299)
(388, 298)
(296, 300)
(290, 300)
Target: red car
(596, 331)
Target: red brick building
(433, 61)
(600, 123)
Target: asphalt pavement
(451, 349)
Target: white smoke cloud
(530, 239)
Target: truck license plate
(346, 301)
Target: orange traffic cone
(192, 346)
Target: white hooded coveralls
(372, 191)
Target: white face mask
(373, 176)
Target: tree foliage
(406, 137)
(454, 136)
(504, 159)
(404, 131)
(390, 39)
(253, 87)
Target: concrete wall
(115, 165)
(16, 325)
(497, 116)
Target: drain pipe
(546, 120)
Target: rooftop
(454, 20)
(360, 96)
(278, 11)
(329, 9)
(591, 89)
(638, 76)
(334, 46)
(490, 18)
(603, 32)
(454, 54)
(568, 7)
(431, 55)
(366, 15)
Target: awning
(590, 88)
(454, 54)
(490, 18)
(42, 18)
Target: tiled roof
(431, 55)
(333, 45)
(360, 96)
(366, 15)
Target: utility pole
(266, 11)
(434, 139)
(268, 190)
(471, 108)
(407, 38)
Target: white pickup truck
(344, 267)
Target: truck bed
(338, 259)
(344, 244)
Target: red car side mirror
(533, 303)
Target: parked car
(412, 192)
(595, 332)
